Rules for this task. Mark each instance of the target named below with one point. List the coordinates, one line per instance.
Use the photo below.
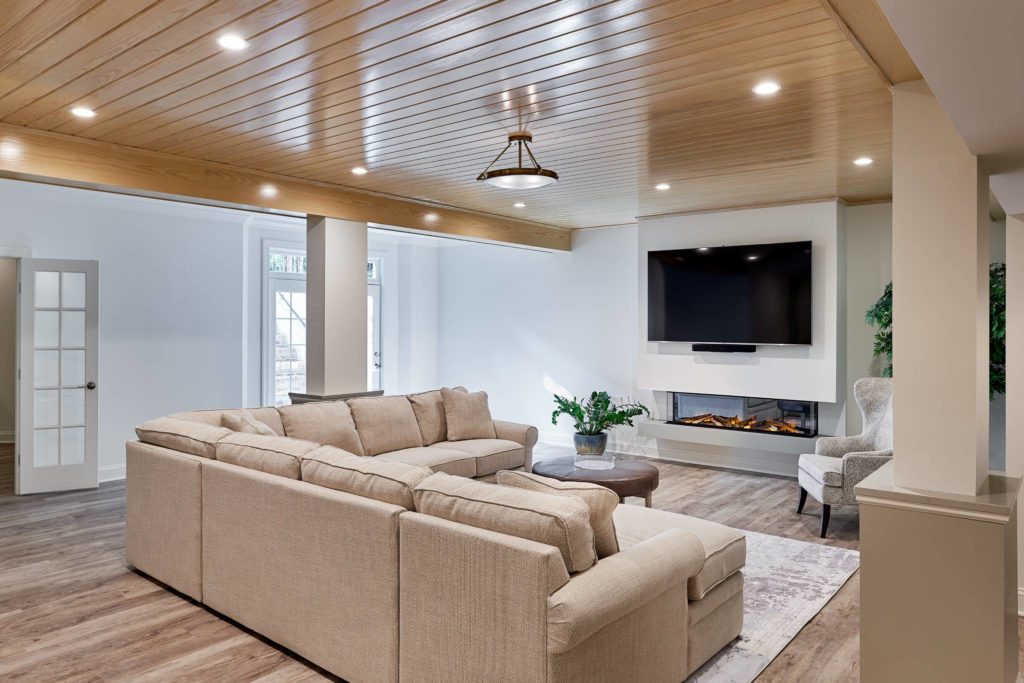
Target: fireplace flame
(734, 422)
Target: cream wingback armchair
(840, 462)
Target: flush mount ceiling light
(767, 88)
(661, 187)
(231, 41)
(520, 205)
(83, 112)
(518, 177)
(268, 191)
(359, 170)
(863, 161)
(430, 217)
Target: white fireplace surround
(808, 373)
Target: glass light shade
(520, 179)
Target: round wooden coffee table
(627, 478)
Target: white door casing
(58, 369)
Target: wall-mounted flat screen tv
(749, 294)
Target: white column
(940, 300)
(335, 306)
(1015, 368)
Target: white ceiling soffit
(1009, 190)
(971, 53)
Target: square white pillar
(940, 300)
(336, 346)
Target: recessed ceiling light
(752, 257)
(863, 161)
(767, 88)
(83, 112)
(662, 187)
(359, 170)
(10, 150)
(520, 205)
(232, 41)
(430, 217)
(268, 191)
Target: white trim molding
(7, 251)
(111, 473)
(7, 437)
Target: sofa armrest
(838, 446)
(620, 584)
(524, 435)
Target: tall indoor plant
(591, 419)
(880, 316)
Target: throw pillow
(467, 415)
(244, 422)
(601, 501)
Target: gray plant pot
(590, 444)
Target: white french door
(58, 358)
(373, 359)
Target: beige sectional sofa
(325, 529)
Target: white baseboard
(760, 462)
(6, 437)
(111, 473)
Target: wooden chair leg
(803, 499)
(825, 510)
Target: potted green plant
(591, 419)
(880, 316)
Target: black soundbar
(725, 348)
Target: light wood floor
(70, 609)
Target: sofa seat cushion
(385, 424)
(822, 468)
(458, 463)
(383, 480)
(491, 455)
(725, 549)
(328, 423)
(278, 455)
(268, 416)
(601, 501)
(187, 436)
(559, 521)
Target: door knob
(90, 386)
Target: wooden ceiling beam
(44, 155)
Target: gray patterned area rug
(786, 583)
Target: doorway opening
(8, 370)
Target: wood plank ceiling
(620, 95)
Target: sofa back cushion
(278, 455)
(328, 423)
(600, 500)
(385, 424)
(560, 521)
(187, 436)
(467, 415)
(387, 481)
(267, 415)
(244, 421)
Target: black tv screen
(751, 294)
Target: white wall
(520, 323)
(8, 341)
(869, 270)
(171, 311)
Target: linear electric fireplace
(746, 413)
